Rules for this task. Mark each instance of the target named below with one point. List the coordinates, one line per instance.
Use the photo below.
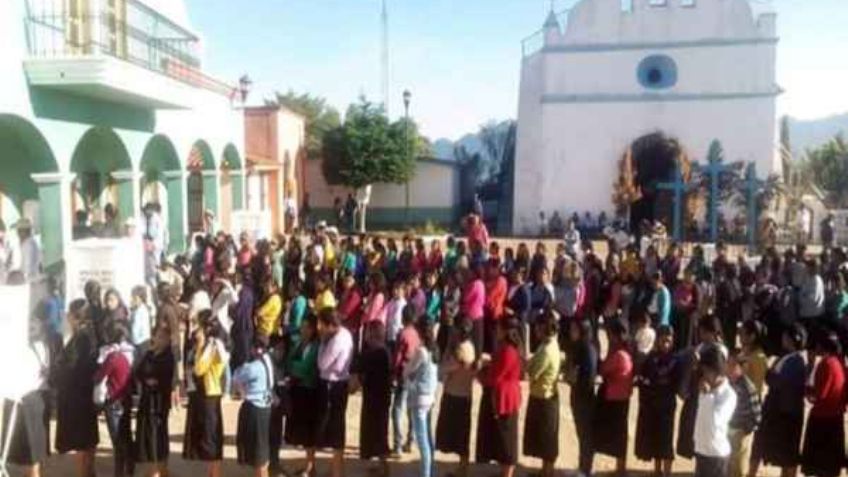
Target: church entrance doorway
(654, 158)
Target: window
(687, 3)
(657, 72)
(658, 3)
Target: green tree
(827, 167)
(369, 149)
(319, 116)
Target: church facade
(602, 87)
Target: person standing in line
(422, 377)
(155, 375)
(824, 440)
(204, 436)
(783, 408)
(493, 309)
(541, 428)
(255, 381)
(373, 369)
(76, 415)
(405, 348)
(453, 429)
(115, 377)
(614, 398)
(497, 424)
(302, 368)
(716, 404)
(473, 303)
(581, 373)
(140, 322)
(746, 417)
(658, 381)
(334, 359)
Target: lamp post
(407, 97)
(244, 87)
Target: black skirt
(151, 431)
(252, 437)
(655, 428)
(781, 438)
(610, 429)
(29, 445)
(453, 428)
(541, 428)
(686, 428)
(76, 419)
(332, 408)
(824, 447)
(374, 422)
(497, 436)
(301, 422)
(204, 434)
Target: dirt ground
(406, 467)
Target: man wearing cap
(27, 257)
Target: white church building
(613, 73)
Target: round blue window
(657, 72)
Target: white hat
(23, 224)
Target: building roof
(551, 21)
(439, 161)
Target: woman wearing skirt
(302, 367)
(204, 436)
(375, 375)
(155, 375)
(255, 382)
(497, 428)
(453, 428)
(658, 384)
(76, 415)
(581, 372)
(610, 434)
(334, 360)
(824, 441)
(783, 409)
(541, 428)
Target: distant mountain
(804, 134)
(444, 148)
(807, 134)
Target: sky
(460, 59)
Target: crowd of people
(292, 326)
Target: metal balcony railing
(126, 30)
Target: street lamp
(244, 87)
(407, 97)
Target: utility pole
(384, 57)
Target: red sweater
(118, 374)
(350, 307)
(828, 390)
(504, 376)
(617, 371)
(496, 297)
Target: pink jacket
(473, 300)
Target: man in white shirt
(716, 404)
(27, 258)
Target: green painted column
(175, 185)
(237, 177)
(210, 192)
(127, 182)
(50, 217)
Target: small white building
(615, 73)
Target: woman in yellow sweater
(204, 436)
(268, 315)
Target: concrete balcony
(128, 54)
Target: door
(195, 202)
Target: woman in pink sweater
(473, 303)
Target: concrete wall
(433, 193)
(581, 103)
